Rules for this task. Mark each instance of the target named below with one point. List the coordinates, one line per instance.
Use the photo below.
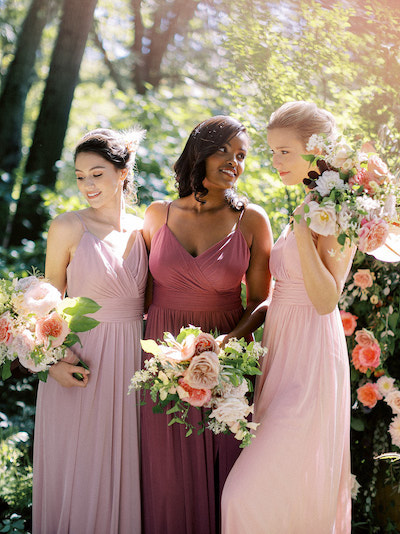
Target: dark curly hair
(190, 168)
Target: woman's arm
(256, 227)
(324, 266)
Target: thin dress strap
(240, 218)
(166, 218)
(82, 222)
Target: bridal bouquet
(353, 195)
(36, 324)
(193, 370)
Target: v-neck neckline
(205, 251)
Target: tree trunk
(51, 125)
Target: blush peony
(203, 371)
(52, 329)
(195, 397)
(40, 298)
(206, 343)
(322, 218)
(349, 322)
(6, 328)
(368, 394)
(363, 278)
(373, 235)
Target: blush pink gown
(182, 478)
(86, 454)
(294, 478)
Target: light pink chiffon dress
(86, 455)
(295, 476)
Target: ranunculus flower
(377, 168)
(349, 322)
(6, 328)
(40, 298)
(230, 410)
(363, 278)
(368, 394)
(355, 358)
(385, 385)
(203, 371)
(394, 429)
(369, 356)
(365, 338)
(323, 218)
(393, 400)
(52, 326)
(197, 397)
(206, 343)
(372, 235)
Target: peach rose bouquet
(352, 196)
(193, 370)
(37, 325)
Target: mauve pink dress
(294, 478)
(182, 478)
(86, 449)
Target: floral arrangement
(37, 325)
(352, 195)
(193, 370)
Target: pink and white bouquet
(352, 195)
(37, 325)
(194, 370)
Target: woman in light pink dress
(86, 449)
(294, 478)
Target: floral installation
(352, 194)
(194, 370)
(37, 325)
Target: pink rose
(368, 394)
(377, 168)
(363, 177)
(52, 329)
(363, 278)
(40, 298)
(369, 356)
(393, 400)
(203, 371)
(372, 235)
(365, 338)
(6, 328)
(355, 358)
(197, 397)
(206, 343)
(349, 322)
(188, 347)
(22, 346)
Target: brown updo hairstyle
(305, 118)
(118, 148)
(205, 139)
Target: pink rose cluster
(363, 278)
(366, 354)
(372, 234)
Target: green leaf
(308, 157)
(6, 370)
(150, 346)
(78, 306)
(357, 424)
(189, 432)
(82, 324)
(174, 409)
(393, 319)
(42, 375)
(71, 339)
(306, 208)
(341, 239)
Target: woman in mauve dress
(86, 449)
(201, 247)
(294, 478)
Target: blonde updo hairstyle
(118, 148)
(305, 118)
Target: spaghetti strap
(82, 222)
(240, 218)
(166, 218)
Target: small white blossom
(329, 180)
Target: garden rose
(25, 283)
(394, 429)
(196, 397)
(203, 371)
(363, 278)
(52, 326)
(368, 394)
(369, 356)
(365, 338)
(231, 410)
(22, 346)
(377, 168)
(355, 359)
(40, 298)
(323, 218)
(385, 385)
(6, 328)
(188, 347)
(341, 156)
(329, 180)
(372, 235)
(349, 322)
(206, 343)
(364, 178)
(393, 400)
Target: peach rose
(203, 371)
(206, 343)
(355, 358)
(363, 278)
(365, 337)
(52, 329)
(188, 347)
(377, 168)
(369, 356)
(6, 328)
(372, 235)
(368, 394)
(364, 178)
(393, 400)
(349, 322)
(197, 397)
(40, 298)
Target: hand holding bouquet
(37, 325)
(193, 370)
(352, 196)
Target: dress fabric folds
(86, 449)
(182, 478)
(294, 478)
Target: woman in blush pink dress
(201, 247)
(86, 449)
(294, 478)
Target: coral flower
(349, 322)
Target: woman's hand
(63, 372)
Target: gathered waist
(291, 292)
(196, 299)
(117, 310)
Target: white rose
(231, 409)
(341, 154)
(329, 180)
(322, 218)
